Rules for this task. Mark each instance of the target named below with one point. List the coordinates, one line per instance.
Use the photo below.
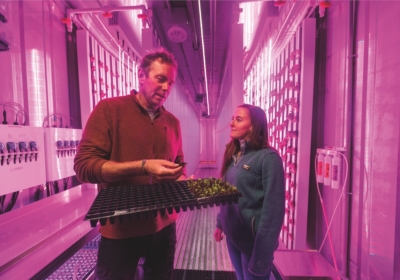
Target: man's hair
(161, 55)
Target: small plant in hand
(211, 187)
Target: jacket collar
(244, 146)
(160, 110)
(243, 151)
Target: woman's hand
(218, 236)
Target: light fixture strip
(71, 12)
(204, 57)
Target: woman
(253, 225)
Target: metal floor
(197, 254)
(203, 275)
(196, 248)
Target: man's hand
(218, 236)
(163, 170)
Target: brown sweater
(120, 129)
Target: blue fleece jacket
(253, 225)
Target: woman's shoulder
(269, 155)
(267, 151)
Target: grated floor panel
(198, 256)
(196, 248)
(196, 251)
(180, 274)
(79, 266)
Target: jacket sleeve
(272, 215)
(95, 146)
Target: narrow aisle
(196, 248)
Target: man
(133, 140)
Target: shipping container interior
(323, 71)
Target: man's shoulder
(116, 101)
(168, 114)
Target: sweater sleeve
(95, 146)
(272, 215)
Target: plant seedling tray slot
(143, 201)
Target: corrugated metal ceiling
(184, 17)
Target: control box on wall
(61, 145)
(22, 158)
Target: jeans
(118, 258)
(240, 263)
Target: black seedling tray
(135, 202)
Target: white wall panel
(223, 130)
(10, 61)
(337, 59)
(232, 95)
(45, 51)
(377, 106)
(178, 104)
(101, 73)
(56, 57)
(34, 70)
(374, 186)
(225, 112)
(35, 55)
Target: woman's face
(240, 124)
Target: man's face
(156, 86)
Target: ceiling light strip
(204, 57)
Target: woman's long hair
(258, 136)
